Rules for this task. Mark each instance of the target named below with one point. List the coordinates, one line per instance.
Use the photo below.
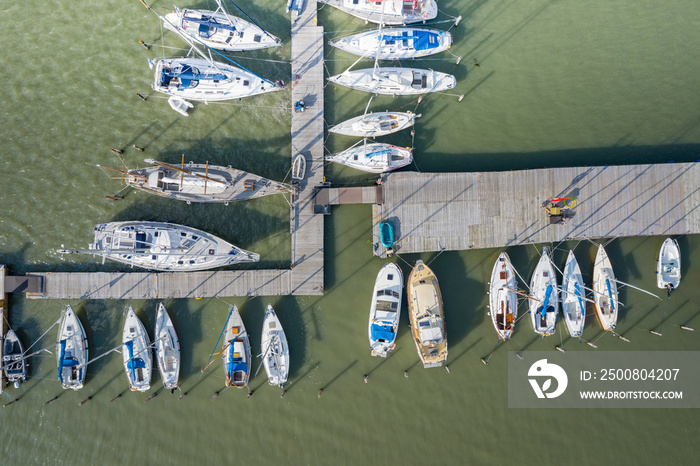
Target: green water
(559, 83)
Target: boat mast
(184, 171)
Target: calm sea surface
(559, 83)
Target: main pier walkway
(456, 211)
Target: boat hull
(573, 305)
(605, 290)
(198, 79)
(375, 124)
(167, 349)
(503, 300)
(275, 348)
(395, 81)
(15, 366)
(231, 34)
(668, 267)
(374, 158)
(544, 302)
(396, 43)
(136, 352)
(236, 347)
(385, 310)
(395, 12)
(72, 351)
(426, 314)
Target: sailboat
(385, 310)
(668, 267)
(275, 349)
(426, 315)
(136, 353)
(374, 158)
(503, 297)
(375, 124)
(72, 345)
(605, 290)
(236, 351)
(395, 43)
(544, 296)
(13, 360)
(573, 299)
(391, 12)
(167, 349)
(219, 30)
(162, 246)
(395, 80)
(201, 182)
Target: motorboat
(385, 310)
(668, 267)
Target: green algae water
(558, 83)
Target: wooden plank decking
(457, 211)
(307, 138)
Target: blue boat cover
(188, 74)
(382, 332)
(386, 234)
(612, 302)
(580, 301)
(422, 40)
(547, 295)
(235, 364)
(208, 22)
(378, 153)
(133, 363)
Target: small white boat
(389, 12)
(219, 30)
(374, 158)
(503, 297)
(605, 290)
(396, 43)
(275, 350)
(544, 297)
(299, 167)
(13, 360)
(375, 124)
(236, 348)
(162, 246)
(296, 6)
(167, 349)
(573, 297)
(72, 351)
(385, 310)
(200, 182)
(427, 316)
(136, 353)
(206, 81)
(180, 105)
(668, 267)
(395, 81)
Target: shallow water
(559, 83)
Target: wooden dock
(457, 211)
(306, 227)
(327, 196)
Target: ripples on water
(559, 83)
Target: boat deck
(458, 211)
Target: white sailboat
(219, 30)
(72, 351)
(374, 158)
(390, 12)
(668, 267)
(395, 43)
(605, 290)
(573, 299)
(167, 349)
(503, 297)
(375, 124)
(385, 310)
(162, 246)
(395, 80)
(273, 343)
(544, 296)
(136, 353)
(236, 347)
